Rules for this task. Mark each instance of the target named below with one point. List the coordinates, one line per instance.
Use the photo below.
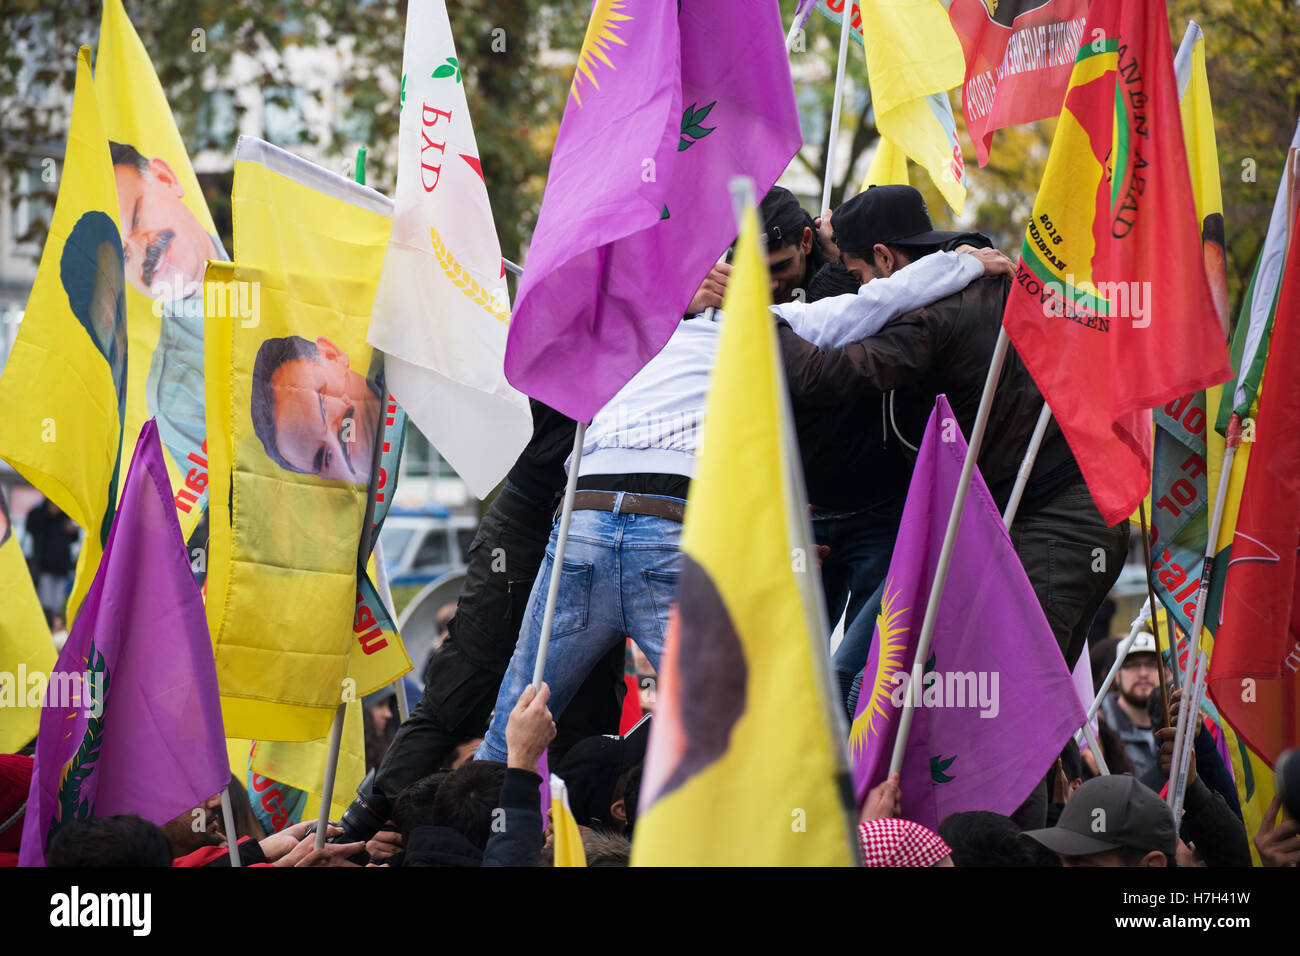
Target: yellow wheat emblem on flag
(461, 278)
(893, 642)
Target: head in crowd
(600, 847)
(246, 823)
(466, 799)
(414, 805)
(90, 269)
(1113, 821)
(122, 840)
(597, 771)
(1138, 675)
(1072, 767)
(893, 841)
(313, 414)
(165, 245)
(1102, 656)
(789, 234)
(981, 838)
(1112, 749)
(883, 229)
(194, 829)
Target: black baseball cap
(591, 769)
(1108, 813)
(784, 220)
(888, 215)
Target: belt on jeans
(633, 504)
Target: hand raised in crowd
(994, 262)
(530, 729)
(883, 800)
(711, 290)
(826, 237)
(384, 845)
(277, 845)
(1165, 738)
(332, 854)
(303, 845)
(1278, 843)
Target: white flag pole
(1121, 651)
(228, 818)
(1190, 704)
(1027, 466)
(835, 106)
(561, 540)
(949, 541)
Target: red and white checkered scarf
(894, 842)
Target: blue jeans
(853, 573)
(619, 579)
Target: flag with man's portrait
(295, 402)
(64, 385)
(168, 234)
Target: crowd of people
(877, 314)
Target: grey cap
(1108, 813)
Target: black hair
(122, 840)
(981, 838)
(467, 798)
(124, 154)
(271, 354)
(241, 808)
(784, 220)
(414, 805)
(1072, 761)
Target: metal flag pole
(561, 540)
(949, 541)
(363, 552)
(228, 817)
(1190, 705)
(835, 105)
(1121, 651)
(1027, 466)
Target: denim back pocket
(572, 602)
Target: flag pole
(1190, 705)
(1155, 618)
(363, 553)
(228, 818)
(1027, 465)
(561, 540)
(1121, 650)
(835, 105)
(949, 541)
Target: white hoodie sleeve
(840, 320)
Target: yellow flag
(25, 645)
(888, 167)
(168, 236)
(293, 408)
(568, 839)
(744, 764)
(302, 765)
(913, 59)
(64, 386)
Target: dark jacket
(944, 348)
(1212, 828)
(517, 843)
(439, 846)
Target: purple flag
(997, 703)
(131, 721)
(665, 108)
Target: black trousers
(1072, 558)
(465, 672)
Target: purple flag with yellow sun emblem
(668, 102)
(996, 703)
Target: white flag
(442, 310)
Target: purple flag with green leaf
(666, 106)
(131, 721)
(996, 704)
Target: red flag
(1111, 311)
(1253, 673)
(1018, 59)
